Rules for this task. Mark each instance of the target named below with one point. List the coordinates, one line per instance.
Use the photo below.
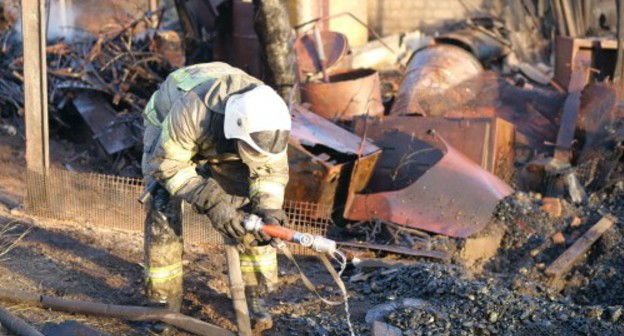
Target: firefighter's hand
(227, 220)
(271, 217)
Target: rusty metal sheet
(486, 141)
(430, 74)
(100, 117)
(335, 46)
(348, 94)
(326, 162)
(454, 197)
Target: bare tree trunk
(272, 25)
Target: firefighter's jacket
(184, 134)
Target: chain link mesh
(104, 201)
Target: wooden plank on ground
(566, 260)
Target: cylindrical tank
(429, 74)
(301, 11)
(347, 94)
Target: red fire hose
(320, 244)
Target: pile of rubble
(442, 299)
(450, 304)
(106, 79)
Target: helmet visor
(273, 142)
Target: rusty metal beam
(566, 260)
(571, 108)
(35, 86)
(397, 250)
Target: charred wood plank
(566, 260)
(101, 119)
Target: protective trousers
(163, 250)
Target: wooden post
(35, 86)
(152, 6)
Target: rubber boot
(260, 317)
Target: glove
(271, 217)
(227, 220)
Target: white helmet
(260, 118)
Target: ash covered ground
(510, 294)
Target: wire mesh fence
(104, 201)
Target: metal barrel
(348, 94)
(429, 74)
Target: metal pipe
(237, 289)
(321, 53)
(16, 325)
(132, 313)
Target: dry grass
(11, 233)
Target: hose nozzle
(253, 223)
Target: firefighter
(216, 138)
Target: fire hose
(253, 223)
(324, 246)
